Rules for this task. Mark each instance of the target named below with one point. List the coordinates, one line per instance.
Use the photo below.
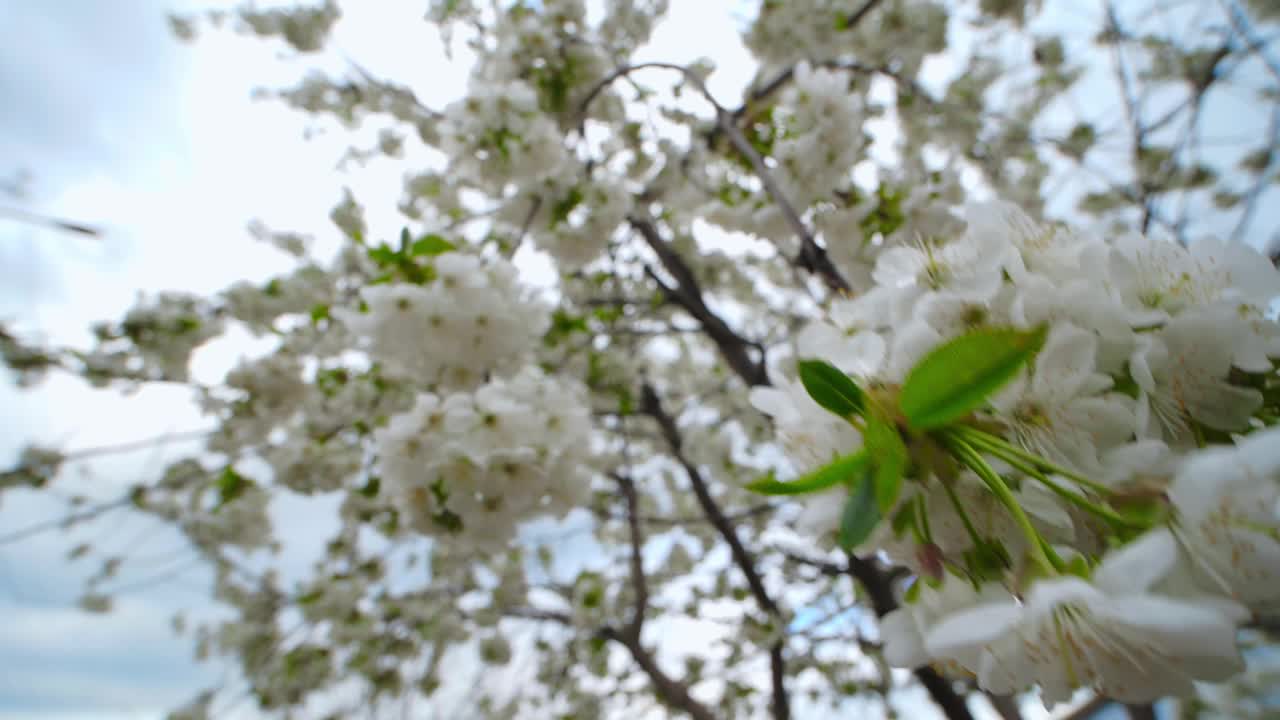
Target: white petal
(1137, 566)
(903, 646)
(899, 267)
(1197, 639)
(970, 629)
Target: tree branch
(879, 587)
(688, 295)
(812, 256)
(852, 21)
(672, 692)
(1145, 711)
(651, 405)
(638, 582)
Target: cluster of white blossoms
(816, 135)
(471, 317)
(499, 133)
(1107, 515)
(471, 466)
(822, 137)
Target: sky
(160, 145)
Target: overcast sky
(158, 143)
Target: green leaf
(860, 514)
(430, 245)
(842, 469)
(958, 376)
(383, 255)
(904, 519)
(890, 453)
(831, 388)
(230, 485)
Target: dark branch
(742, 557)
(638, 582)
(812, 256)
(672, 692)
(858, 15)
(1145, 711)
(51, 222)
(879, 587)
(688, 295)
(676, 520)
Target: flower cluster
(470, 317)
(472, 465)
(815, 132)
(498, 134)
(822, 137)
(1069, 440)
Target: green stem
(964, 516)
(999, 446)
(1067, 494)
(922, 515)
(1040, 551)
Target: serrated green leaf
(957, 377)
(841, 469)
(890, 454)
(831, 388)
(430, 245)
(860, 515)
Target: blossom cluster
(1106, 516)
(822, 135)
(471, 317)
(499, 133)
(471, 466)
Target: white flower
(823, 136)
(904, 630)
(1081, 302)
(1181, 373)
(499, 135)
(1228, 525)
(473, 466)
(1049, 250)
(810, 435)
(473, 318)
(859, 354)
(1110, 634)
(1058, 411)
(968, 268)
(1130, 464)
(1158, 279)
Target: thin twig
(651, 405)
(688, 294)
(55, 223)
